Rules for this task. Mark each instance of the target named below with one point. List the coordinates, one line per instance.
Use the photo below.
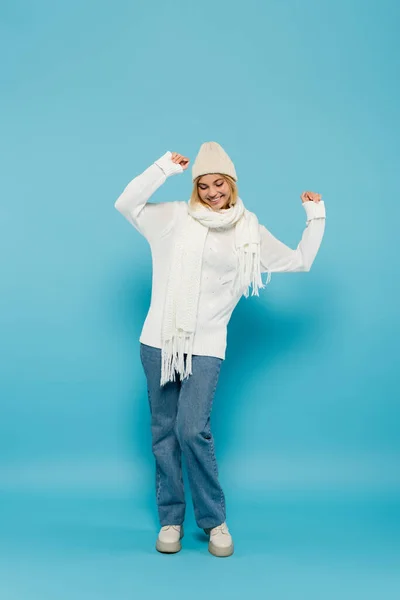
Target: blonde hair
(195, 198)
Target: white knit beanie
(212, 158)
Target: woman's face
(214, 190)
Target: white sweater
(159, 223)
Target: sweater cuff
(168, 165)
(314, 210)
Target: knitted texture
(212, 158)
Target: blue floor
(59, 547)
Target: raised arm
(277, 257)
(149, 218)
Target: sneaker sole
(168, 548)
(221, 552)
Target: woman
(205, 255)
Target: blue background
(302, 96)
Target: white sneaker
(169, 538)
(221, 543)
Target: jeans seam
(212, 448)
(158, 483)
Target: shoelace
(223, 528)
(166, 527)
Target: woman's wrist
(168, 166)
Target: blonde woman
(206, 254)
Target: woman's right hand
(180, 159)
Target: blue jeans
(180, 424)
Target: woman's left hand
(310, 197)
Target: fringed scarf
(181, 302)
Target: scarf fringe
(173, 357)
(249, 272)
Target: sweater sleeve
(149, 218)
(277, 257)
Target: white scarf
(181, 302)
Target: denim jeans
(180, 425)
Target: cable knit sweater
(159, 224)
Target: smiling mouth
(216, 200)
